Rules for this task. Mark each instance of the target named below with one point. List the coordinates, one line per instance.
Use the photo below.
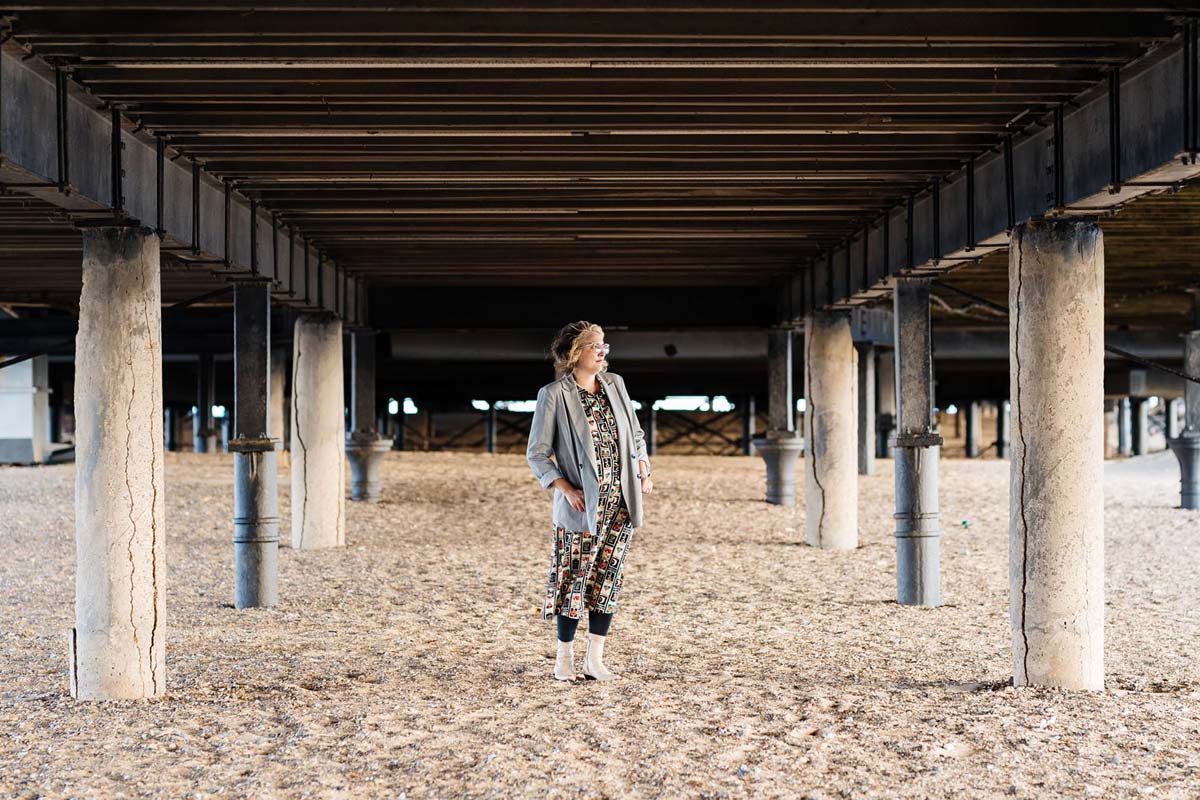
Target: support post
(1175, 413)
(885, 402)
(1002, 436)
(364, 446)
(1141, 426)
(866, 407)
(117, 647)
(748, 420)
(318, 433)
(781, 446)
(204, 437)
(1056, 499)
(170, 440)
(489, 428)
(973, 429)
(1186, 446)
(255, 471)
(830, 432)
(278, 418)
(1124, 427)
(917, 449)
(398, 439)
(651, 432)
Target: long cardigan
(560, 446)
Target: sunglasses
(599, 347)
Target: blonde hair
(567, 346)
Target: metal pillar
(1056, 494)
(255, 472)
(917, 447)
(885, 402)
(866, 407)
(748, 421)
(204, 438)
(1002, 436)
(1187, 445)
(780, 447)
(1141, 426)
(974, 429)
(364, 446)
(1124, 427)
(489, 429)
(117, 647)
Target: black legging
(597, 623)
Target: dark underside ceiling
(577, 143)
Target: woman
(582, 444)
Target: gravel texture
(412, 663)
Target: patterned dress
(585, 568)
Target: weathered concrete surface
(1056, 498)
(831, 432)
(318, 433)
(117, 646)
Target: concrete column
(866, 407)
(781, 446)
(831, 432)
(1002, 442)
(885, 402)
(204, 436)
(1124, 427)
(1186, 446)
(748, 421)
(1056, 496)
(1175, 412)
(25, 412)
(170, 417)
(973, 428)
(1140, 443)
(917, 449)
(364, 446)
(318, 433)
(118, 643)
(255, 472)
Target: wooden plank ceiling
(680, 142)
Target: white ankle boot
(564, 662)
(593, 660)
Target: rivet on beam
(62, 97)
(291, 262)
(887, 242)
(275, 246)
(195, 207)
(909, 244)
(118, 199)
(253, 236)
(935, 194)
(1060, 167)
(1010, 197)
(228, 209)
(160, 151)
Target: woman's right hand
(574, 496)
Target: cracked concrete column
(1056, 495)
(830, 432)
(917, 448)
(780, 447)
(885, 402)
(364, 446)
(1187, 445)
(204, 434)
(866, 407)
(973, 428)
(318, 433)
(118, 643)
(255, 473)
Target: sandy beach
(411, 663)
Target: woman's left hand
(647, 485)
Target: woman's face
(591, 358)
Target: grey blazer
(560, 446)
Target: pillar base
(365, 452)
(255, 523)
(918, 534)
(1187, 449)
(780, 453)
